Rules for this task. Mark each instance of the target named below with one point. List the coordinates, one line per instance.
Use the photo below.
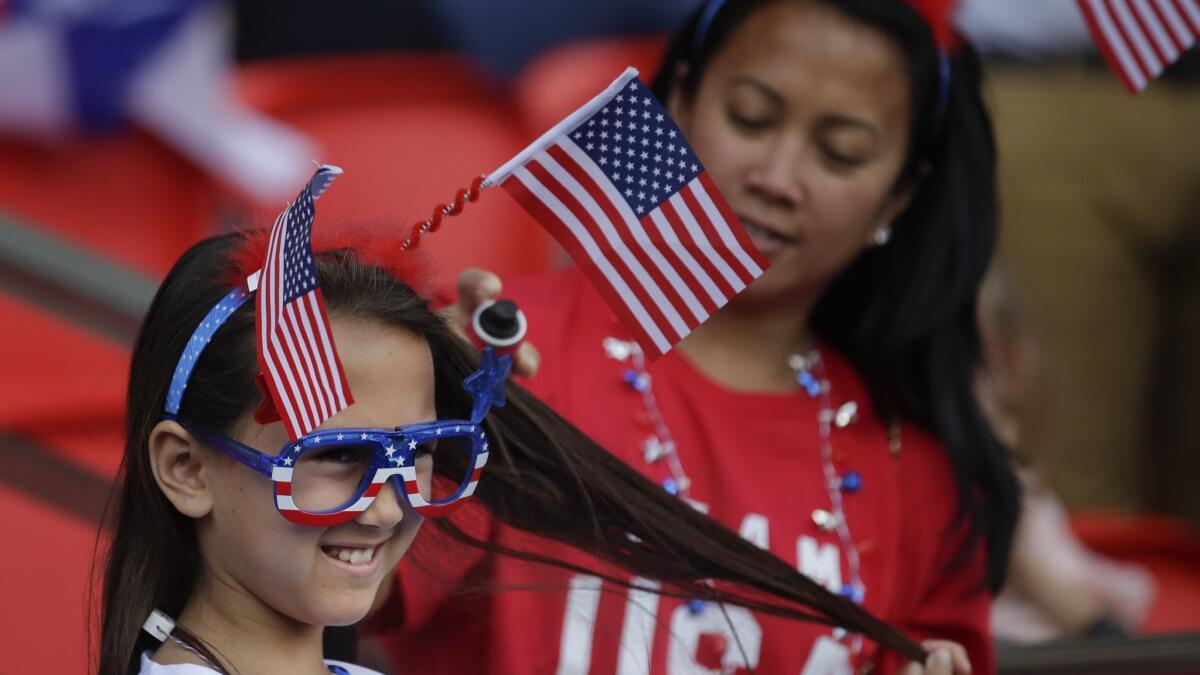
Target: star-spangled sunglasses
(330, 476)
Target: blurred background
(131, 128)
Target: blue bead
(848, 590)
(851, 482)
(630, 376)
(671, 486)
(696, 606)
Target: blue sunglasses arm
(245, 454)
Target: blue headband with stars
(216, 317)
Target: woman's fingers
(526, 360)
(945, 658)
(476, 286)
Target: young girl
(251, 578)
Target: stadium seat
(1167, 547)
(562, 79)
(409, 131)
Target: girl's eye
(343, 454)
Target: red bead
(710, 650)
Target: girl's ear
(179, 466)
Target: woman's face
(294, 569)
(802, 121)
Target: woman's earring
(882, 236)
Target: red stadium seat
(1167, 547)
(409, 130)
(562, 79)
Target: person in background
(827, 413)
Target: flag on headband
(296, 353)
(618, 186)
(1140, 38)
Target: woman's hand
(476, 286)
(945, 658)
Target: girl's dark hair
(545, 476)
(904, 313)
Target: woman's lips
(766, 240)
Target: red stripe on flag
(287, 391)
(1128, 38)
(287, 360)
(624, 267)
(559, 231)
(1165, 19)
(331, 360)
(1149, 34)
(626, 233)
(283, 489)
(639, 294)
(710, 270)
(301, 348)
(735, 223)
(304, 309)
(706, 226)
(1106, 47)
(672, 254)
(1189, 17)
(476, 474)
(373, 489)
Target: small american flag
(618, 186)
(1140, 38)
(295, 345)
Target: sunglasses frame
(395, 457)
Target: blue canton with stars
(299, 271)
(639, 147)
(215, 318)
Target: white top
(151, 668)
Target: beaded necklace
(810, 376)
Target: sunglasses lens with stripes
(450, 466)
(330, 478)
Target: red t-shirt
(754, 465)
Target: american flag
(295, 345)
(1140, 38)
(618, 186)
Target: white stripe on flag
(722, 228)
(1192, 9)
(576, 228)
(635, 226)
(313, 334)
(1117, 44)
(615, 241)
(698, 273)
(330, 357)
(697, 235)
(1157, 30)
(313, 381)
(1180, 29)
(287, 388)
(293, 367)
(1138, 37)
(270, 295)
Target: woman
(827, 412)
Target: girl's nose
(385, 511)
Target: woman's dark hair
(904, 313)
(545, 476)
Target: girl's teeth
(354, 556)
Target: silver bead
(846, 415)
(839, 634)
(618, 349)
(653, 449)
(824, 520)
